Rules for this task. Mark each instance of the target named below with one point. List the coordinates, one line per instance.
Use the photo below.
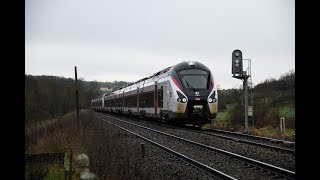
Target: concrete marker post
(142, 149)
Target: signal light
(237, 62)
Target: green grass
(67, 117)
(228, 106)
(287, 111)
(273, 133)
(54, 172)
(222, 116)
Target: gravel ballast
(218, 161)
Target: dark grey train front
(185, 93)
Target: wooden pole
(70, 168)
(77, 98)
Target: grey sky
(128, 40)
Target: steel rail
(252, 136)
(269, 167)
(246, 141)
(237, 139)
(208, 169)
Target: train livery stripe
(212, 84)
(177, 83)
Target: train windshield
(194, 79)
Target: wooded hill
(271, 99)
(51, 96)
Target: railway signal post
(237, 71)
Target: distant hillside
(52, 96)
(271, 99)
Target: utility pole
(77, 99)
(237, 71)
(245, 88)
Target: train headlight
(181, 97)
(212, 98)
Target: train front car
(195, 92)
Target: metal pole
(251, 103)
(77, 98)
(245, 87)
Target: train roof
(143, 79)
(177, 67)
(188, 64)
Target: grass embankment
(288, 111)
(107, 150)
(54, 172)
(274, 133)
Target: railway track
(277, 157)
(272, 140)
(243, 138)
(208, 169)
(257, 167)
(273, 144)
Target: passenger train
(184, 93)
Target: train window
(194, 78)
(194, 71)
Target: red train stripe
(177, 83)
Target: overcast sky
(131, 39)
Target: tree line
(51, 96)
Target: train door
(129, 100)
(142, 99)
(160, 98)
(138, 100)
(166, 96)
(155, 98)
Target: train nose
(198, 109)
(197, 105)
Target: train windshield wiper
(194, 89)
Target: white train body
(185, 92)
